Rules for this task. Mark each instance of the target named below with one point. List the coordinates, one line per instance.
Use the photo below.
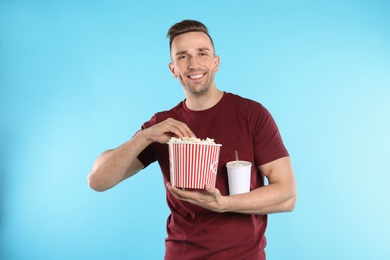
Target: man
(208, 224)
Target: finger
(209, 188)
(182, 194)
(170, 187)
(188, 132)
(181, 129)
(175, 191)
(172, 190)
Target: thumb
(209, 188)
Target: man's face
(193, 62)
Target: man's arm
(278, 196)
(114, 166)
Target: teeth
(196, 76)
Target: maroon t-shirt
(238, 124)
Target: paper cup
(193, 165)
(239, 176)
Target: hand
(163, 131)
(210, 198)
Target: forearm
(278, 196)
(113, 166)
(273, 198)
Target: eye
(203, 54)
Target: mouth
(198, 76)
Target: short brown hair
(186, 26)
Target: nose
(193, 63)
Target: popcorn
(191, 140)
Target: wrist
(143, 137)
(225, 204)
(140, 140)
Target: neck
(203, 101)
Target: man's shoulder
(243, 101)
(162, 115)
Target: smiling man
(208, 224)
(194, 64)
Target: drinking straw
(237, 156)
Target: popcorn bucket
(193, 165)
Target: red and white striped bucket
(193, 165)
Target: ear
(172, 69)
(216, 63)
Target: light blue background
(79, 77)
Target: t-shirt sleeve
(267, 141)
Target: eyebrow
(180, 53)
(198, 49)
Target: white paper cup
(193, 165)
(239, 176)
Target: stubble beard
(200, 91)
